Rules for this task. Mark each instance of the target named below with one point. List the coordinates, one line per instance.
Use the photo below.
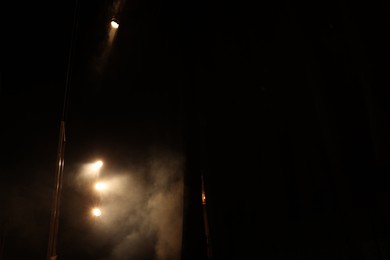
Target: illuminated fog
(142, 208)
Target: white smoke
(142, 209)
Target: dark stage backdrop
(282, 106)
(288, 121)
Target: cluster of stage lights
(99, 186)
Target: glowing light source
(96, 212)
(100, 186)
(97, 165)
(114, 24)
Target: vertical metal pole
(55, 210)
(52, 246)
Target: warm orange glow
(100, 186)
(96, 212)
(114, 24)
(97, 165)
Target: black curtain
(287, 119)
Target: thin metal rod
(55, 211)
(52, 246)
(70, 63)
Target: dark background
(282, 106)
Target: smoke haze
(114, 13)
(142, 208)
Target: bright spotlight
(96, 212)
(97, 165)
(100, 186)
(114, 24)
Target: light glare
(96, 212)
(100, 186)
(97, 165)
(114, 24)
